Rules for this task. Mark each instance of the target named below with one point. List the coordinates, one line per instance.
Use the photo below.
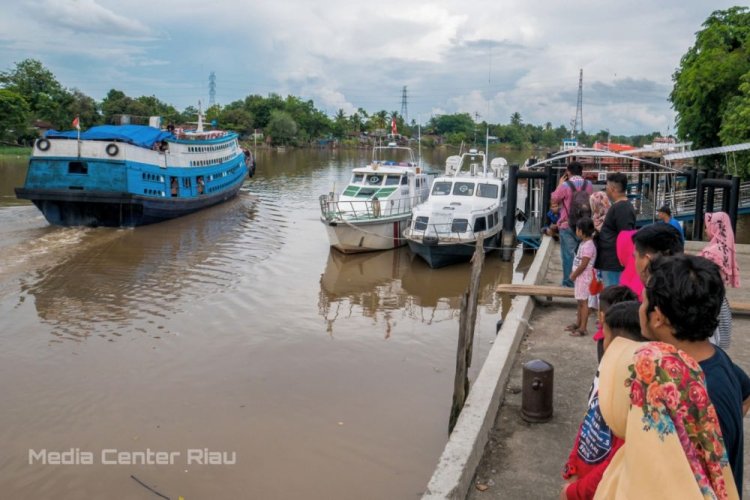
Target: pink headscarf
(629, 276)
(599, 205)
(721, 249)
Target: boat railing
(334, 210)
(446, 232)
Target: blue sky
(491, 57)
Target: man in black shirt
(620, 217)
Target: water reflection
(368, 284)
(121, 281)
(379, 284)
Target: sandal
(571, 327)
(578, 333)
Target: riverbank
(522, 460)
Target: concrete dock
(498, 455)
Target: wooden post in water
(466, 323)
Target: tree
(340, 124)
(709, 77)
(47, 99)
(735, 125)
(14, 116)
(239, 120)
(85, 108)
(281, 127)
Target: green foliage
(707, 82)
(14, 116)
(281, 127)
(47, 99)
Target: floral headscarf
(721, 249)
(654, 396)
(599, 205)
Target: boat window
(366, 192)
(393, 180)
(441, 188)
(492, 219)
(186, 182)
(463, 188)
(480, 224)
(487, 190)
(420, 223)
(459, 225)
(374, 180)
(502, 192)
(78, 167)
(358, 178)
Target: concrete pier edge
(457, 465)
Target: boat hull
(350, 237)
(440, 255)
(112, 209)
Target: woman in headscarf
(599, 205)
(721, 250)
(629, 277)
(654, 396)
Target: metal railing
(366, 210)
(683, 202)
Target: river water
(235, 330)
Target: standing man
(570, 182)
(665, 215)
(620, 217)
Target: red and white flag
(76, 123)
(394, 131)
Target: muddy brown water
(232, 343)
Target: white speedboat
(469, 200)
(374, 209)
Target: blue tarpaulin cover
(138, 135)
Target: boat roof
(138, 135)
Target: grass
(15, 150)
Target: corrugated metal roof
(707, 152)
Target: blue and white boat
(130, 175)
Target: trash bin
(536, 397)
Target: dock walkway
(524, 460)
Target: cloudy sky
(485, 57)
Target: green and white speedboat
(374, 209)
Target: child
(553, 215)
(583, 265)
(595, 445)
(607, 298)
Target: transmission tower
(578, 122)
(211, 89)
(404, 105)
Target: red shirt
(594, 447)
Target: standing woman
(721, 250)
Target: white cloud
(484, 56)
(86, 16)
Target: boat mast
(200, 118)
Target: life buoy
(42, 144)
(112, 149)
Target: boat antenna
(486, 147)
(419, 143)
